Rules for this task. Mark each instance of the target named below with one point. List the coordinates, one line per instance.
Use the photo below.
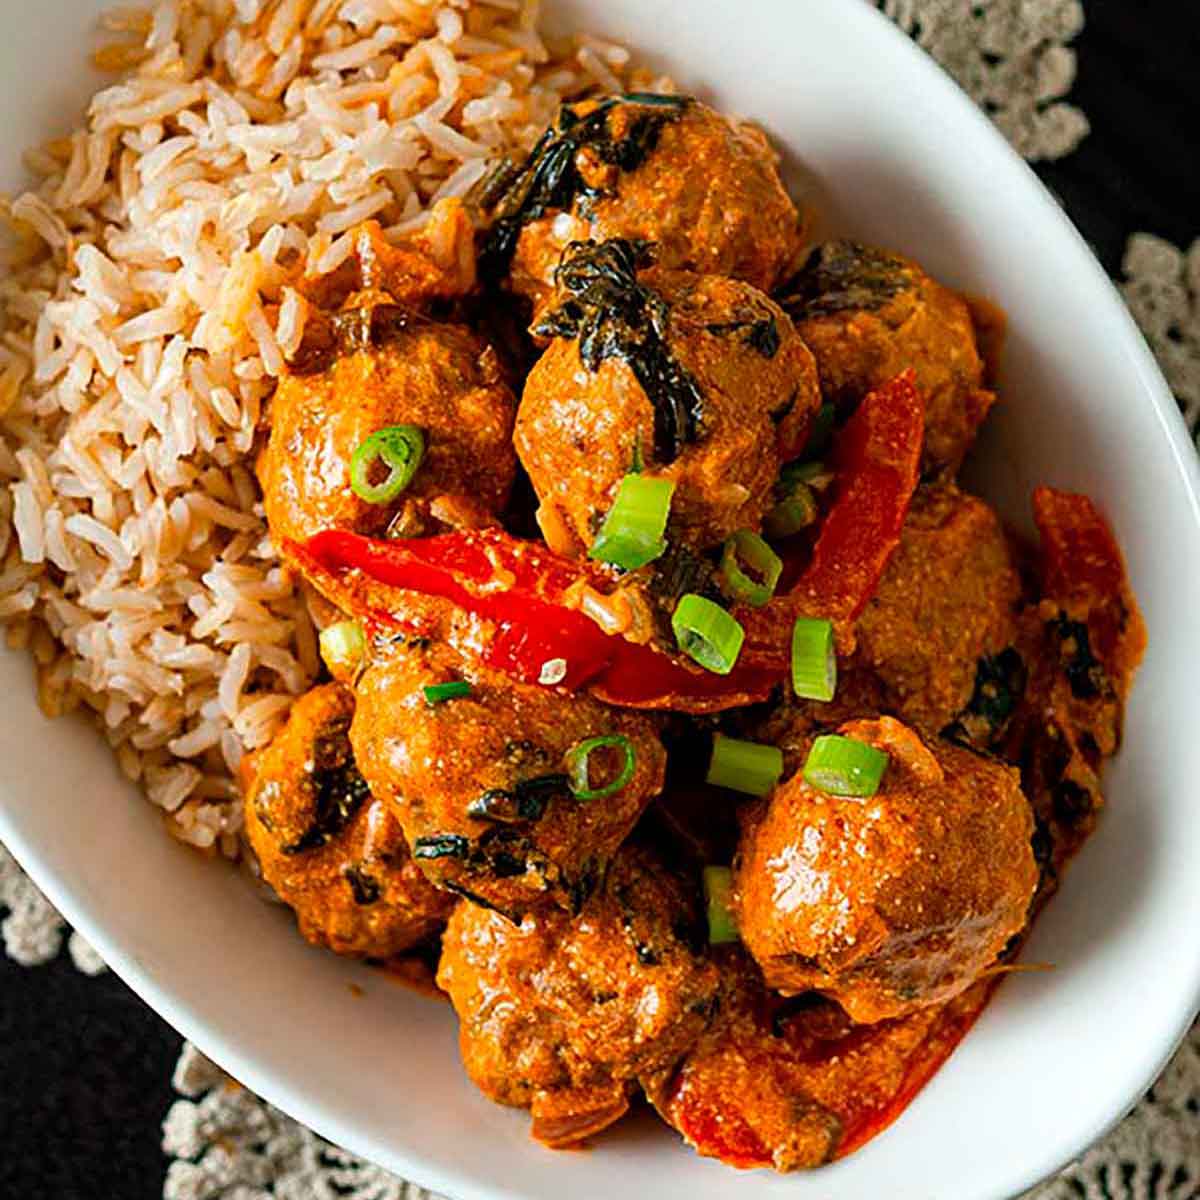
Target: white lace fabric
(32, 932)
(1013, 57)
(229, 1145)
(1162, 288)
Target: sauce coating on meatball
(697, 379)
(893, 902)
(702, 187)
(481, 784)
(565, 1015)
(393, 368)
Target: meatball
(867, 315)
(895, 902)
(696, 379)
(705, 189)
(564, 1015)
(947, 600)
(481, 783)
(387, 367)
(330, 851)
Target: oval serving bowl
(898, 156)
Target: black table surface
(85, 1066)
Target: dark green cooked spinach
(844, 276)
(1085, 673)
(337, 788)
(550, 177)
(1000, 681)
(613, 315)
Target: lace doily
(32, 931)
(229, 1145)
(1162, 289)
(1013, 57)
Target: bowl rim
(868, 26)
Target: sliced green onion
(800, 472)
(822, 429)
(579, 766)
(790, 516)
(749, 548)
(436, 693)
(343, 647)
(400, 448)
(632, 533)
(748, 767)
(814, 663)
(707, 633)
(718, 895)
(842, 766)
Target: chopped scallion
(842, 766)
(739, 583)
(632, 533)
(707, 633)
(436, 693)
(579, 766)
(400, 449)
(718, 899)
(748, 767)
(790, 516)
(553, 670)
(814, 663)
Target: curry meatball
(485, 784)
(703, 188)
(693, 378)
(565, 1015)
(894, 902)
(329, 850)
(867, 315)
(946, 603)
(385, 366)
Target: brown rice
(147, 306)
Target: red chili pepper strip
(518, 585)
(654, 680)
(1080, 558)
(1083, 571)
(522, 586)
(876, 460)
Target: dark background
(1139, 168)
(85, 1067)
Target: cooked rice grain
(147, 305)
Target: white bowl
(905, 160)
